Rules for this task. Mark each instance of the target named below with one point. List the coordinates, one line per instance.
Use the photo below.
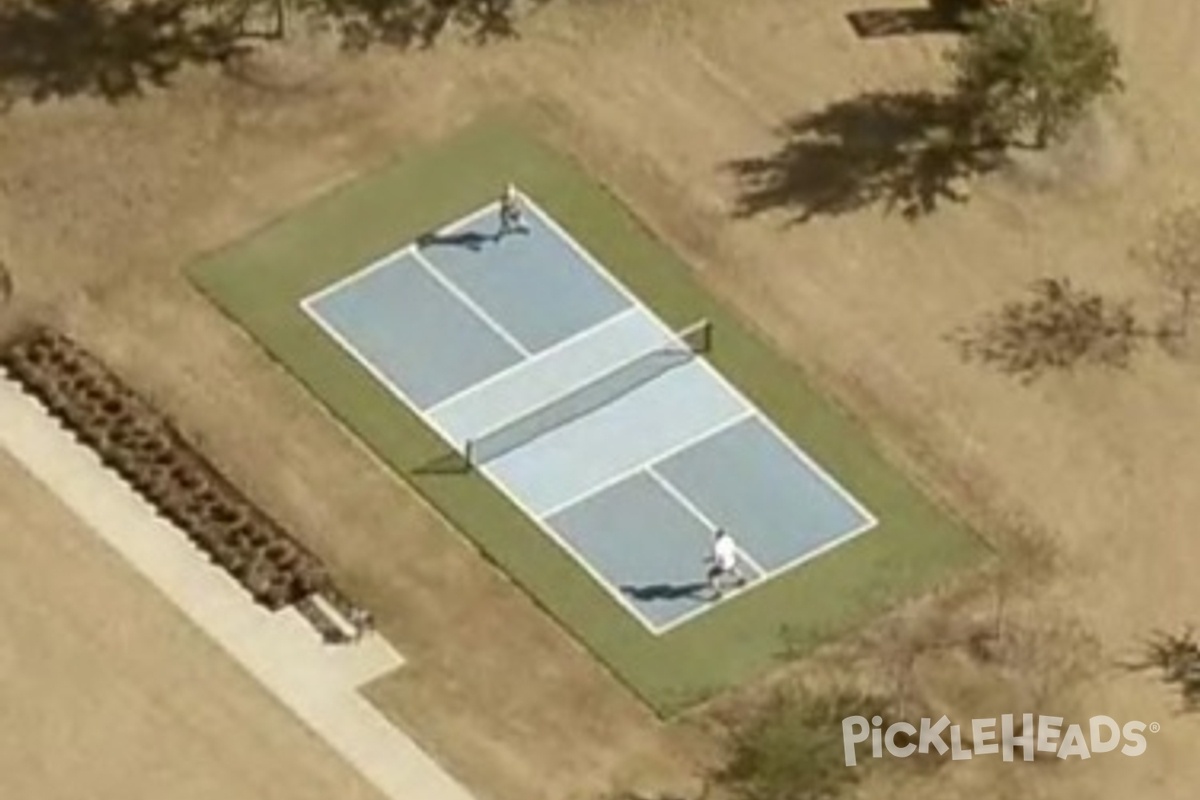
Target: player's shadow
(668, 591)
(909, 151)
(472, 240)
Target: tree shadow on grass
(908, 151)
(1056, 327)
(418, 23)
(61, 48)
(1177, 658)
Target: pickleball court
(607, 427)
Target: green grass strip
(260, 281)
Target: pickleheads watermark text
(1028, 734)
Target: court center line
(462, 296)
(749, 559)
(605, 584)
(682, 499)
(390, 256)
(870, 520)
(539, 356)
(822, 549)
(658, 458)
(307, 306)
(751, 411)
(769, 575)
(543, 526)
(695, 510)
(383, 261)
(713, 372)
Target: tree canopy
(1032, 67)
(792, 748)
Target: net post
(698, 336)
(706, 334)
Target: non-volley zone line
(649, 463)
(528, 361)
(687, 503)
(581, 560)
(464, 298)
(585, 382)
(601, 270)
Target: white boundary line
(541, 355)
(870, 520)
(371, 369)
(624, 475)
(695, 510)
(752, 410)
(466, 300)
(354, 277)
(385, 260)
(713, 371)
(465, 220)
(832, 544)
(584, 382)
(605, 584)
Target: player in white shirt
(510, 212)
(724, 561)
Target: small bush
(792, 749)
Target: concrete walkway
(318, 682)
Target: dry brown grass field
(108, 691)
(101, 206)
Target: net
(591, 396)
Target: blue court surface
(599, 421)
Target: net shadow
(580, 401)
(451, 463)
